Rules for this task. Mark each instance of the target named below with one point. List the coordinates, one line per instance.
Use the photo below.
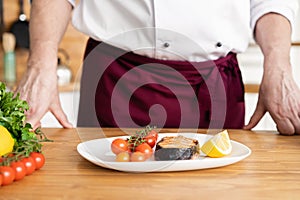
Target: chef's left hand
(280, 96)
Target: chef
(168, 63)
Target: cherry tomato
(119, 145)
(137, 157)
(19, 169)
(8, 175)
(39, 159)
(145, 149)
(1, 179)
(150, 140)
(10, 155)
(153, 133)
(123, 157)
(29, 165)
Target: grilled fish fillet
(176, 148)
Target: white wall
(296, 31)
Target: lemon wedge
(6, 141)
(219, 145)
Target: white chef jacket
(190, 30)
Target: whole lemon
(6, 141)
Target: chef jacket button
(166, 45)
(219, 44)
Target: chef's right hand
(39, 88)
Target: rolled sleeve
(287, 8)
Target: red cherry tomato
(151, 140)
(1, 179)
(19, 169)
(137, 157)
(39, 159)
(119, 145)
(153, 133)
(145, 149)
(29, 165)
(8, 175)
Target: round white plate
(98, 152)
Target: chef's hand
(39, 84)
(280, 96)
(39, 88)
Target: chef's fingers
(297, 130)
(256, 117)
(285, 127)
(290, 125)
(37, 125)
(287, 123)
(296, 123)
(295, 119)
(59, 114)
(33, 117)
(34, 120)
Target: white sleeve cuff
(287, 8)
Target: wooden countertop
(272, 171)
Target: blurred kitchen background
(70, 61)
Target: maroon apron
(123, 89)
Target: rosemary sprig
(138, 138)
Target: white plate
(98, 152)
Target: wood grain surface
(272, 171)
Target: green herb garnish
(12, 117)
